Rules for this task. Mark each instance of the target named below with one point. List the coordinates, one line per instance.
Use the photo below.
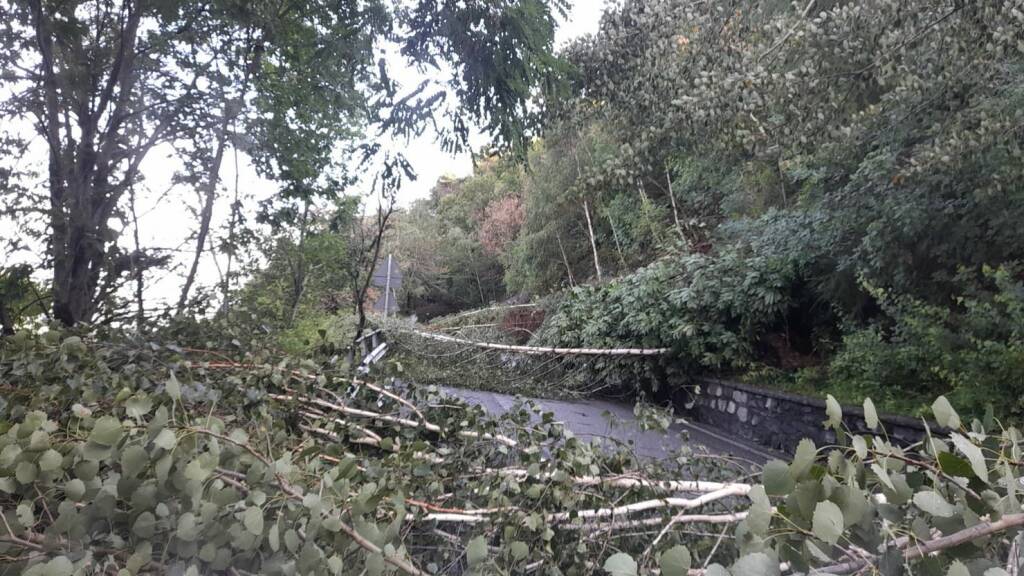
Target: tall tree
(104, 82)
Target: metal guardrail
(372, 348)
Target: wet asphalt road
(589, 419)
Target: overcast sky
(167, 220)
(431, 163)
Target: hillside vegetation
(826, 199)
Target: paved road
(588, 419)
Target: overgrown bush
(710, 309)
(971, 351)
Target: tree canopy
(103, 83)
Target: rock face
(779, 420)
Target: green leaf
(853, 503)
(870, 414)
(883, 476)
(74, 489)
(166, 439)
(973, 454)
(59, 566)
(834, 412)
(518, 550)
(274, 537)
(198, 469)
(375, 564)
(134, 459)
(716, 570)
(957, 568)
(208, 553)
(759, 516)
(476, 551)
(944, 413)
(954, 465)
(860, 446)
(934, 504)
(252, 519)
(827, 523)
(142, 555)
(138, 405)
(50, 460)
(26, 472)
(776, 478)
(816, 552)
(25, 514)
(145, 525)
(803, 459)
(173, 387)
(675, 561)
(107, 431)
(620, 564)
(188, 530)
(9, 454)
(756, 564)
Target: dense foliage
(297, 87)
(138, 457)
(795, 184)
(825, 196)
(451, 245)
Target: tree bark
(140, 303)
(232, 224)
(672, 197)
(6, 322)
(83, 159)
(593, 241)
(545, 349)
(361, 287)
(565, 259)
(299, 269)
(206, 216)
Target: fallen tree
(128, 456)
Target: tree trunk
(615, 236)
(299, 270)
(6, 322)
(565, 259)
(593, 241)
(672, 197)
(361, 287)
(84, 158)
(232, 224)
(206, 216)
(140, 305)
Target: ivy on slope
(125, 456)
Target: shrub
(972, 351)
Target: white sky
(166, 221)
(431, 163)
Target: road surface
(588, 419)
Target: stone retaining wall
(779, 420)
